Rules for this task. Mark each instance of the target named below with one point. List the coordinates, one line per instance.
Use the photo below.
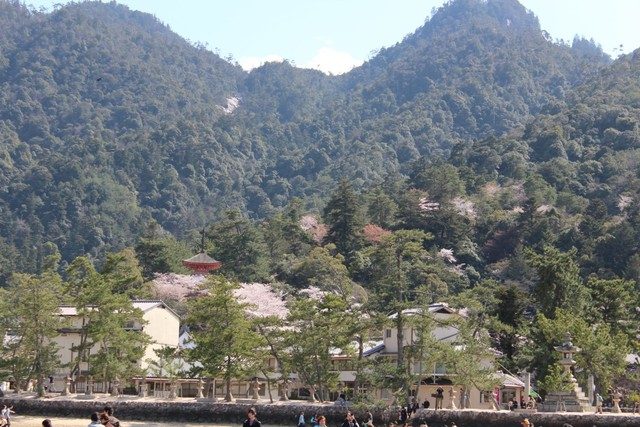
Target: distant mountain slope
(476, 68)
(109, 119)
(577, 161)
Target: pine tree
(381, 208)
(343, 215)
(285, 238)
(559, 284)
(225, 343)
(159, 252)
(111, 337)
(320, 327)
(399, 266)
(123, 271)
(30, 318)
(239, 244)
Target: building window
(388, 333)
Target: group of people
(513, 404)
(321, 421)
(99, 419)
(527, 423)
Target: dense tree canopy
(476, 161)
(109, 120)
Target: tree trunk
(228, 397)
(356, 383)
(268, 385)
(40, 387)
(401, 362)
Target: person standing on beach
(47, 423)
(599, 401)
(252, 420)
(439, 397)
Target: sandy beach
(29, 421)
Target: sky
(337, 35)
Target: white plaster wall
(163, 327)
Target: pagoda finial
(201, 263)
(202, 236)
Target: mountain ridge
(108, 124)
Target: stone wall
(471, 418)
(287, 414)
(206, 412)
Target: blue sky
(335, 35)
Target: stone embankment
(286, 414)
(173, 411)
(471, 418)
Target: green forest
(477, 161)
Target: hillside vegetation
(109, 120)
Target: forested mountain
(108, 120)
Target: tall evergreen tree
(320, 327)
(614, 303)
(381, 208)
(239, 244)
(343, 216)
(285, 237)
(159, 252)
(226, 344)
(112, 338)
(559, 284)
(123, 271)
(399, 266)
(30, 319)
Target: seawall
(174, 411)
(287, 414)
(470, 418)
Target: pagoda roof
(201, 263)
(201, 258)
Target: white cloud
(327, 59)
(250, 62)
(332, 61)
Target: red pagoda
(201, 263)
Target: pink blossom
(313, 293)
(263, 299)
(624, 202)
(447, 255)
(464, 207)
(427, 206)
(374, 233)
(315, 228)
